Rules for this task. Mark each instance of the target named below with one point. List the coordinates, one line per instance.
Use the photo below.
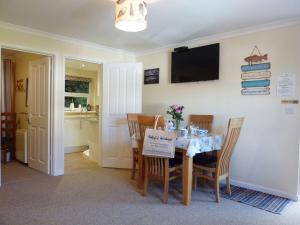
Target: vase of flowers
(176, 112)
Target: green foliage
(77, 86)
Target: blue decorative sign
(255, 83)
(254, 67)
(256, 75)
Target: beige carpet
(89, 195)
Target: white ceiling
(169, 21)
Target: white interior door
(39, 119)
(122, 93)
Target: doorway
(82, 121)
(25, 113)
(118, 91)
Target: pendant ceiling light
(131, 15)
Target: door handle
(28, 120)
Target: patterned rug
(270, 203)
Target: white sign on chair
(159, 143)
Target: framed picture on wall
(151, 76)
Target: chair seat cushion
(205, 160)
(178, 157)
(175, 162)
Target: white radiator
(21, 145)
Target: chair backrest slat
(133, 125)
(8, 132)
(8, 124)
(202, 121)
(233, 133)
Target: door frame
(90, 60)
(53, 56)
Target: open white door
(122, 93)
(39, 119)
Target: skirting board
(265, 190)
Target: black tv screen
(196, 64)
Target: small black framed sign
(151, 76)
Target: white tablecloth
(199, 144)
(194, 144)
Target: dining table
(188, 146)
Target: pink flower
(176, 111)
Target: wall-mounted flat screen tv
(196, 64)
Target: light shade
(131, 15)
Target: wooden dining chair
(156, 168)
(216, 170)
(133, 126)
(8, 134)
(202, 121)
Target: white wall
(21, 38)
(266, 156)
